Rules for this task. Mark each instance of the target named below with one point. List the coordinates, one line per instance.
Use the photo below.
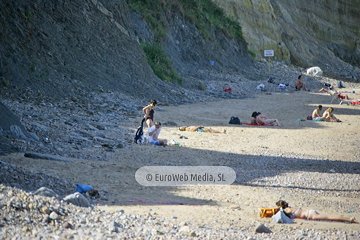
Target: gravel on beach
(78, 128)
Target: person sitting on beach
(262, 120)
(316, 114)
(292, 213)
(328, 115)
(299, 84)
(253, 118)
(152, 135)
(199, 129)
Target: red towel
(249, 124)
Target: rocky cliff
(75, 48)
(72, 48)
(61, 48)
(302, 32)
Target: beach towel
(255, 125)
(282, 93)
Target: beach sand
(312, 165)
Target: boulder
(47, 192)
(262, 229)
(77, 199)
(314, 71)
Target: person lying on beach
(334, 92)
(322, 90)
(292, 213)
(199, 129)
(262, 120)
(253, 118)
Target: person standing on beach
(149, 113)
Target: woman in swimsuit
(262, 120)
(311, 214)
(149, 113)
(329, 116)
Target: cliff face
(60, 48)
(67, 48)
(302, 32)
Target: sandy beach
(312, 165)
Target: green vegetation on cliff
(160, 63)
(204, 14)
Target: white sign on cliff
(268, 53)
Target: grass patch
(252, 53)
(28, 15)
(160, 63)
(205, 15)
(5, 82)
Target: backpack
(234, 120)
(281, 217)
(139, 138)
(340, 84)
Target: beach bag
(282, 86)
(139, 135)
(271, 80)
(281, 217)
(227, 89)
(261, 87)
(83, 188)
(234, 120)
(268, 212)
(340, 84)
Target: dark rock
(46, 157)
(43, 191)
(262, 229)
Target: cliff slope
(304, 33)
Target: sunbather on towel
(253, 118)
(311, 214)
(199, 129)
(262, 120)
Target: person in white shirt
(152, 135)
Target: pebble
(30, 216)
